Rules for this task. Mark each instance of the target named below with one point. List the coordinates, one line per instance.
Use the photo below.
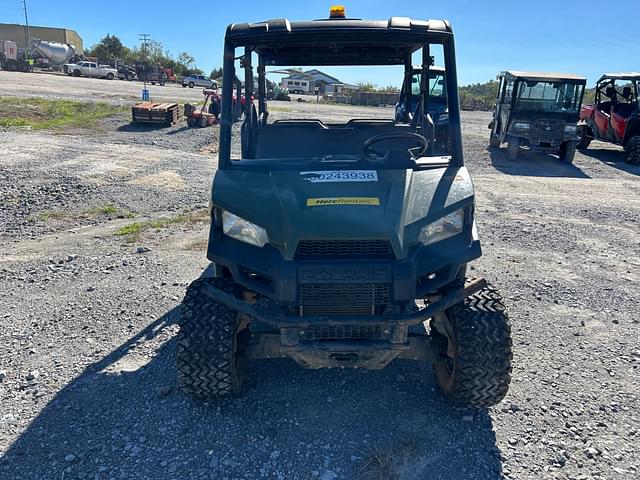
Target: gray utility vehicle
(539, 110)
(342, 245)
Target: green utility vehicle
(538, 110)
(342, 244)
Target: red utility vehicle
(203, 116)
(615, 115)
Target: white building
(306, 82)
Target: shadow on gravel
(123, 418)
(533, 164)
(612, 158)
(141, 128)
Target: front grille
(344, 294)
(547, 130)
(343, 248)
(345, 332)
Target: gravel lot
(88, 317)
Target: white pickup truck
(90, 69)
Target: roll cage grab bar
(229, 79)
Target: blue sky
(549, 35)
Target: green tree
(215, 74)
(366, 87)
(109, 47)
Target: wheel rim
(240, 362)
(445, 365)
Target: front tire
(633, 150)
(568, 151)
(210, 361)
(473, 340)
(494, 141)
(513, 147)
(110, 76)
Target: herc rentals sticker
(322, 202)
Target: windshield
(276, 112)
(540, 96)
(437, 90)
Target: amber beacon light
(337, 11)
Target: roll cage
(606, 86)
(336, 43)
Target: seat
(312, 138)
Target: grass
(109, 210)
(47, 215)
(43, 113)
(135, 229)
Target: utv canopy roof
(338, 42)
(620, 76)
(545, 77)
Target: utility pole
(27, 32)
(144, 38)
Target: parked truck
(90, 69)
(56, 54)
(8, 55)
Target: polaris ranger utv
(342, 245)
(538, 110)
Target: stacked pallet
(156, 113)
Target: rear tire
(513, 147)
(191, 84)
(568, 151)
(474, 366)
(633, 150)
(202, 122)
(209, 361)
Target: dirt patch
(168, 179)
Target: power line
(144, 38)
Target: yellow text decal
(321, 202)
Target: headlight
(522, 125)
(443, 228)
(243, 230)
(570, 129)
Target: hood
(342, 204)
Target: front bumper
(264, 270)
(339, 353)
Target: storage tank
(57, 53)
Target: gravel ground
(87, 344)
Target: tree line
(111, 48)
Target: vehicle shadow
(123, 417)
(612, 158)
(141, 128)
(533, 164)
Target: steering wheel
(422, 142)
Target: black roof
(338, 42)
